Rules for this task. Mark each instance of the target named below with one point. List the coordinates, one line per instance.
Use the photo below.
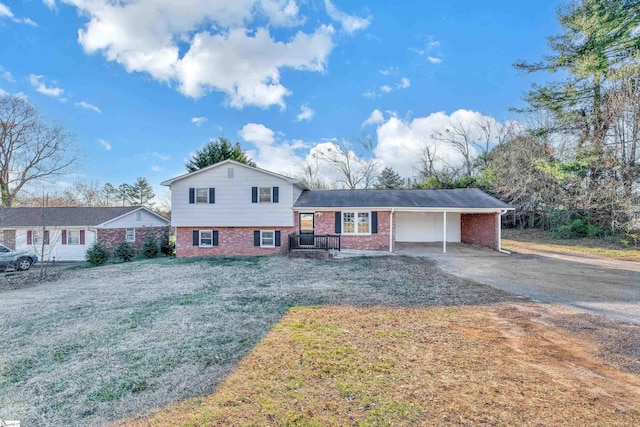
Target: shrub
(166, 246)
(150, 247)
(97, 254)
(577, 228)
(124, 252)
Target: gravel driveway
(599, 286)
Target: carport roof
(461, 198)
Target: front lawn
(101, 344)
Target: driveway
(599, 286)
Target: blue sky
(144, 84)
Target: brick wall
(231, 241)
(9, 238)
(325, 224)
(480, 230)
(112, 237)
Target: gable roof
(63, 216)
(461, 198)
(293, 181)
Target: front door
(306, 229)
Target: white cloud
(386, 88)
(155, 168)
(5, 12)
(349, 23)
(43, 88)
(3, 92)
(370, 94)
(391, 71)
(306, 113)
(88, 106)
(6, 75)
(375, 118)
(51, 4)
(400, 141)
(404, 83)
(434, 60)
(276, 156)
(258, 134)
(161, 157)
(105, 144)
(21, 95)
(223, 51)
(199, 121)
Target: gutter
(504, 211)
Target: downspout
(391, 230)
(502, 212)
(444, 232)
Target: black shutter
(196, 238)
(192, 195)
(256, 238)
(215, 237)
(212, 195)
(277, 238)
(338, 222)
(254, 194)
(276, 194)
(374, 222)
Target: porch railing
(317, 242)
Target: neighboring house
(233, 209)
(65, 233)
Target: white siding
(233, 207)
(426, 227)
(55, 248)
(129, 220)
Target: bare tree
(31, 149)
(88, 193)
(309, 174)
(460, 137)
(356, 169)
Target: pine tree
(141, 193)
(389, 179)
(217, 151)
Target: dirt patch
(12, 279)
(490, 365)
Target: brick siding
(231, 241)
(480, 230)
(112, 237)
(325, 224)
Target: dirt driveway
(606, 287)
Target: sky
(143, 84)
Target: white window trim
(200, 238)
(274, 238)
(270, 195)
(355, 223)
(69, 237)
(134, 234)
(196, 195)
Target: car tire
(23, 264)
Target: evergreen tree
(141, 193)
(217, 151)
(389, 179)
(109, 194)
(123, 194)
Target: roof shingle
(60, 216)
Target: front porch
(314, 242)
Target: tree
(217, 151)
(356, 170)
(31, 148)
(389, 179)
(124, 194)
(141, 193)
(109, 194)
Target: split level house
(65, 233)
(233, 209)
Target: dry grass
(101, 344)
(537, 240)
(413, 366)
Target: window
(130, 235)
(73, 237)
(356, 223)
(265, 194)
(267, 239)
(202, 195)
(138, 216)
(37, 237)
(206, 238)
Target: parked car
(22, 260)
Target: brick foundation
(231, 241)
(112, 237)
(480, 230)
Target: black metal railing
(314, 242)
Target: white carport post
(444, 233)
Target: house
(65, 233)
(233, 209)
